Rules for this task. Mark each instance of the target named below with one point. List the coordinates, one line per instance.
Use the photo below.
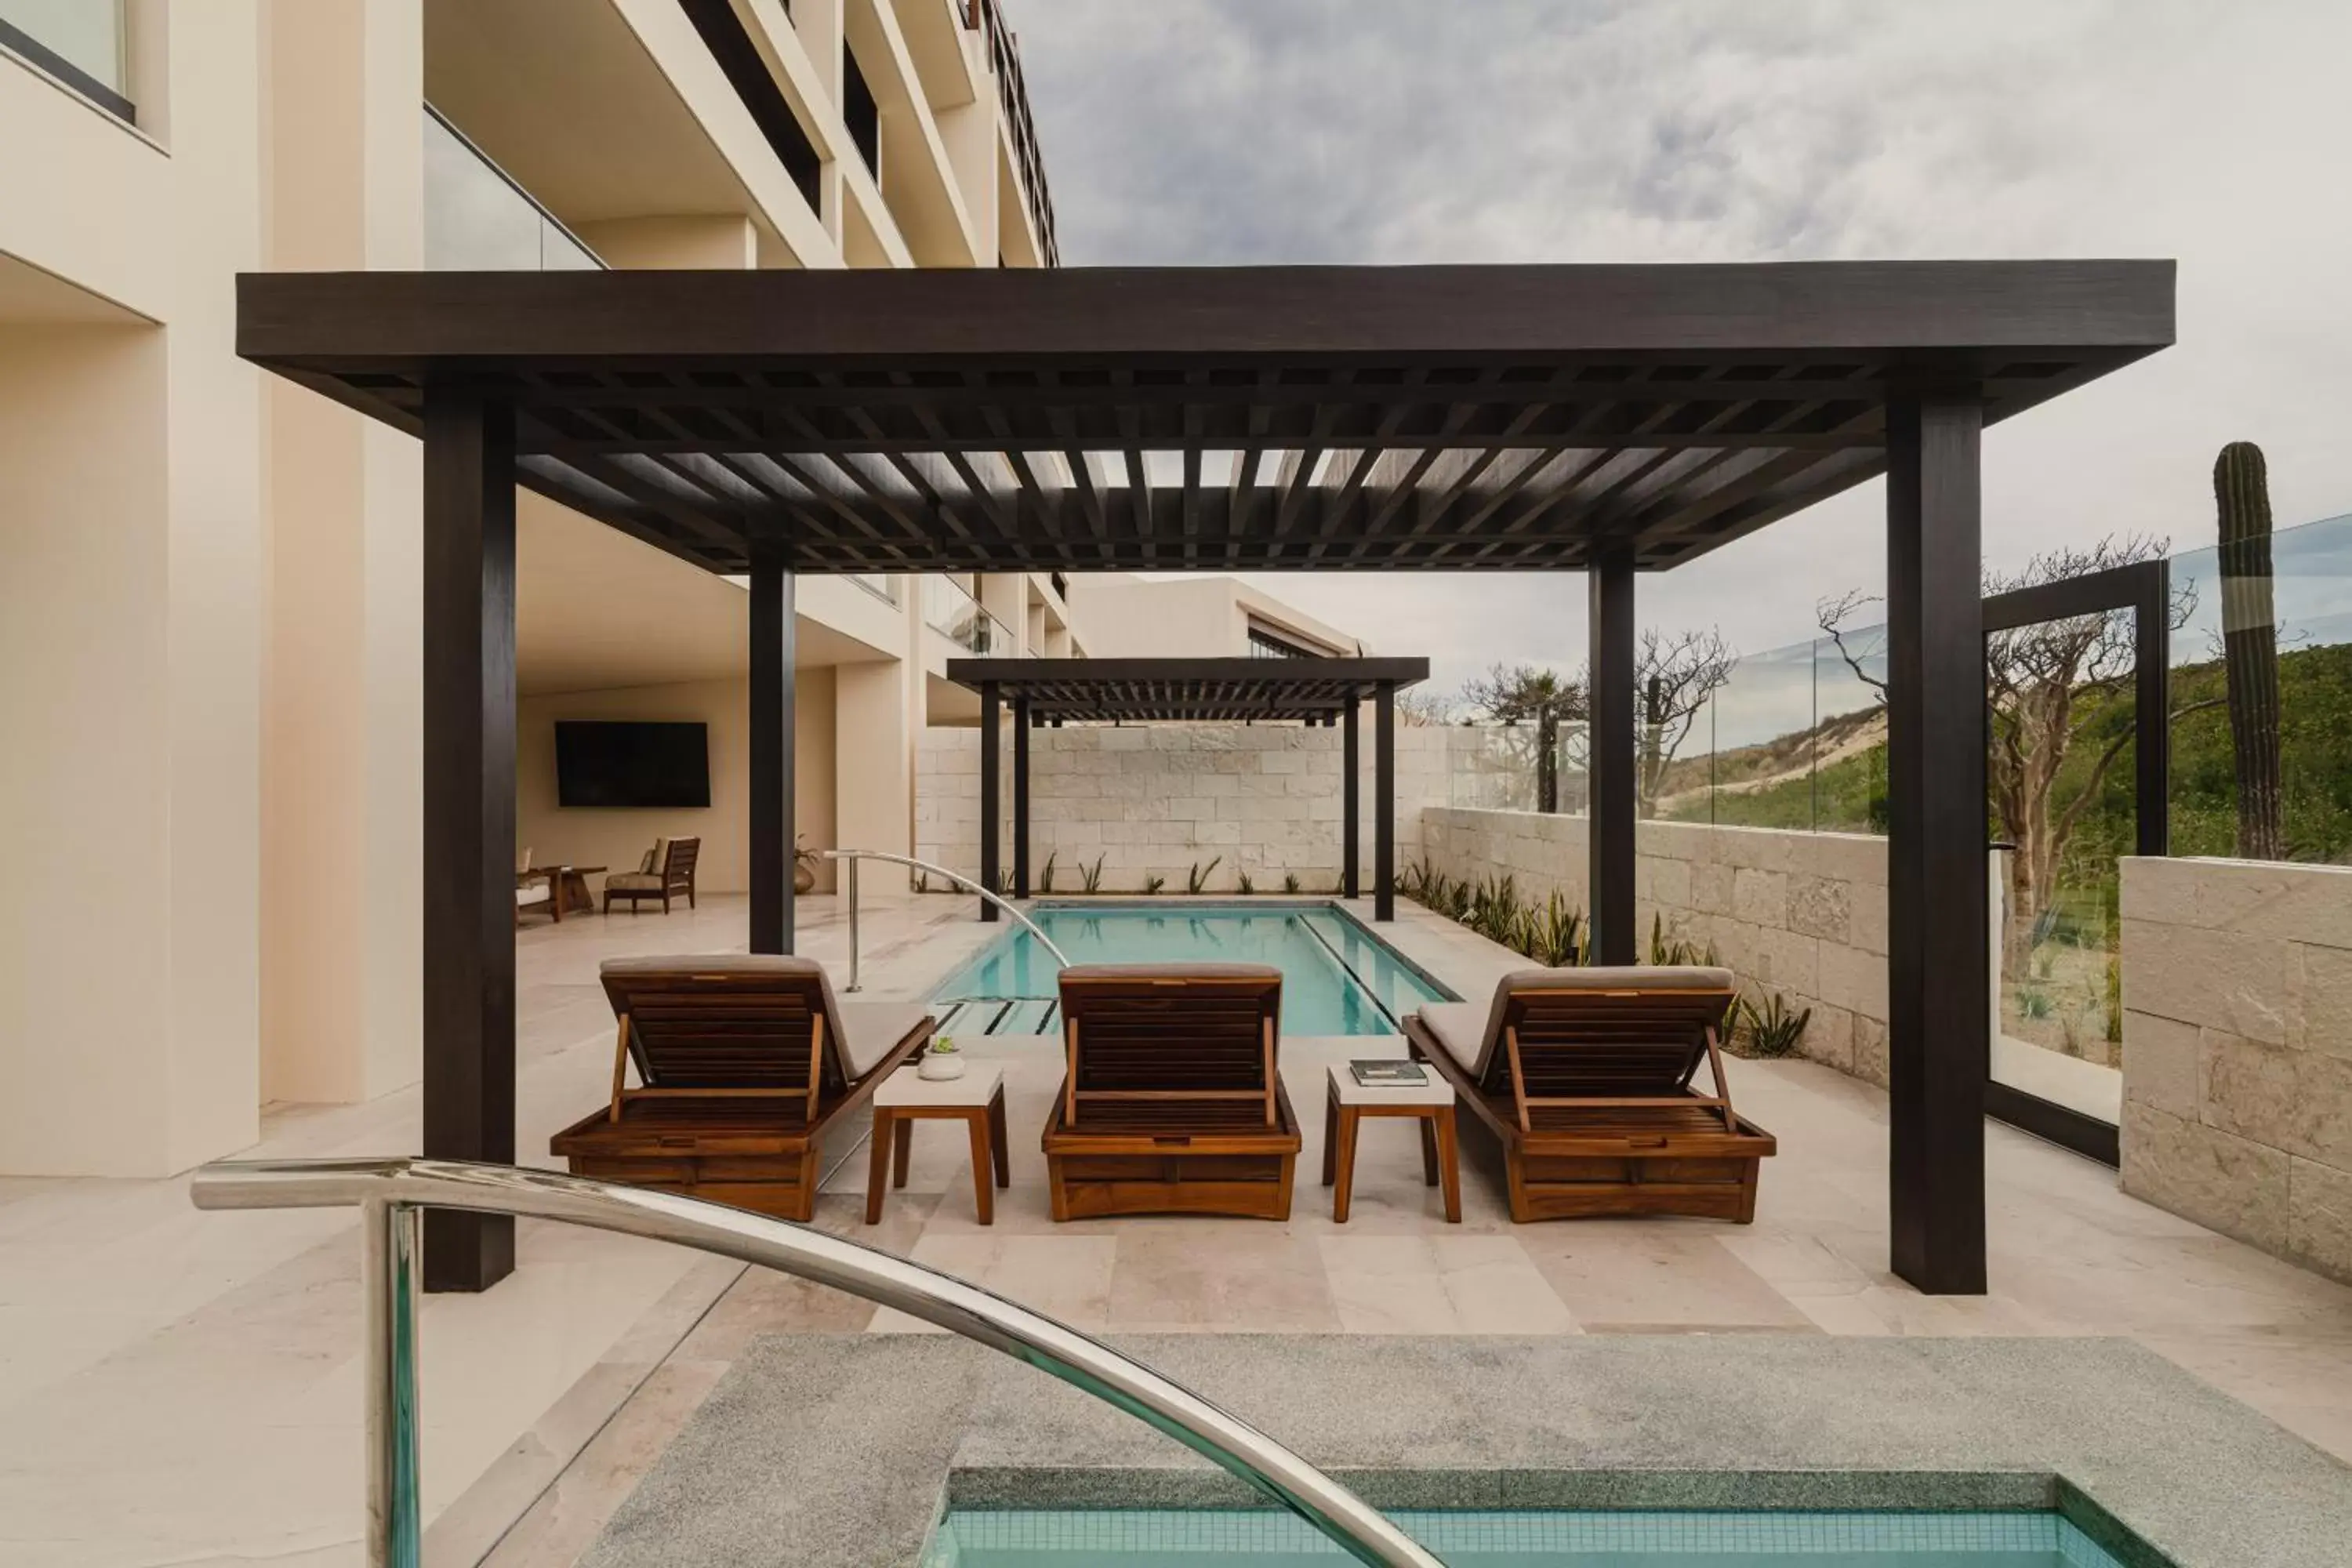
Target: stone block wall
(1153, 800)
(2237, 979)
(1803, 914)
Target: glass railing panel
(950, 610)
(1757, 770)
(477, 219)
(881, 584)
(84, 37)
(2300, 624)
(1849, 773)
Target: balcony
(1013, 94)
(82, 45)
(950, 610)
(477, 218)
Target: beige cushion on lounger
(869, 1030)
(858, 1036)
(1456, 1025)
(535, 893)
(1452, 1034)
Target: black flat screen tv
(630, 764)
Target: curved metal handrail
(854, 856)
(391, 1190)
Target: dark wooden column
(1020, 797)
(1351, 768)
(1609, 826)
(469, 819)
(1384, 803)
(1939, 962)
(771, 837)
(988, 795)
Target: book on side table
(1389, 1074)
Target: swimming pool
(1338, 978)
(1208, 1538)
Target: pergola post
(1938, 962)
(1020, 797)
(1609, 845)
(1384, 803)
(773, 719)
(1351, 769)
(469, 989)
(988, 794)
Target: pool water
(1338, 978)
(1137, 1538)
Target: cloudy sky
(1411, 131)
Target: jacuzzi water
(1137, 1538)
(1338, 978)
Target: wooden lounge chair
(744, 1062)
(1585, 1075)
(666, 872)
(1171, 1103)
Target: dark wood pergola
(1311, 691)
(1607, 420)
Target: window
(862, 113)
(1265, 644)
(80, 42)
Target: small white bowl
(939, 1065)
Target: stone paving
(185, 1388)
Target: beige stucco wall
(131, 602)
(2238, 1050)
(1152, 800)
(617, 838)
(1801, 913)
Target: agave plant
(1247, 887)
(1769, 1029)
(1045, 877)
(1671, 948)
(1290, 881)
(1092, 875)
(1152, 884)
(1197, 880)
(1554, 932)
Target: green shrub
(1045, 877)
(1092, 875)
(1153, 884)
(1247, 886)
(1768, 1028)
(1197, 878)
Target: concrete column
(342, 776)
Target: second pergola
(1311, 691)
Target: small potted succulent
(941, 1059)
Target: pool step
(997, 1015)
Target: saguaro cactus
(2250, 644)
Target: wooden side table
(904, 1098)
(1432, 1104)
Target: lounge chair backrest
(1171, 1032)
(677, 865)
(744, 1023)
(1637, 1031)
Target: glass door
(2075, 737)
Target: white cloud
(1394, 131)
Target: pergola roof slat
(1147, 691)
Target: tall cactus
(2250, 644)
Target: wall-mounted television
(631, 764)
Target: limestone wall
(1801, 913)
(1153, 800)
(2238, 1050)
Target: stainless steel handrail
(854, 856)
(389, 1193)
